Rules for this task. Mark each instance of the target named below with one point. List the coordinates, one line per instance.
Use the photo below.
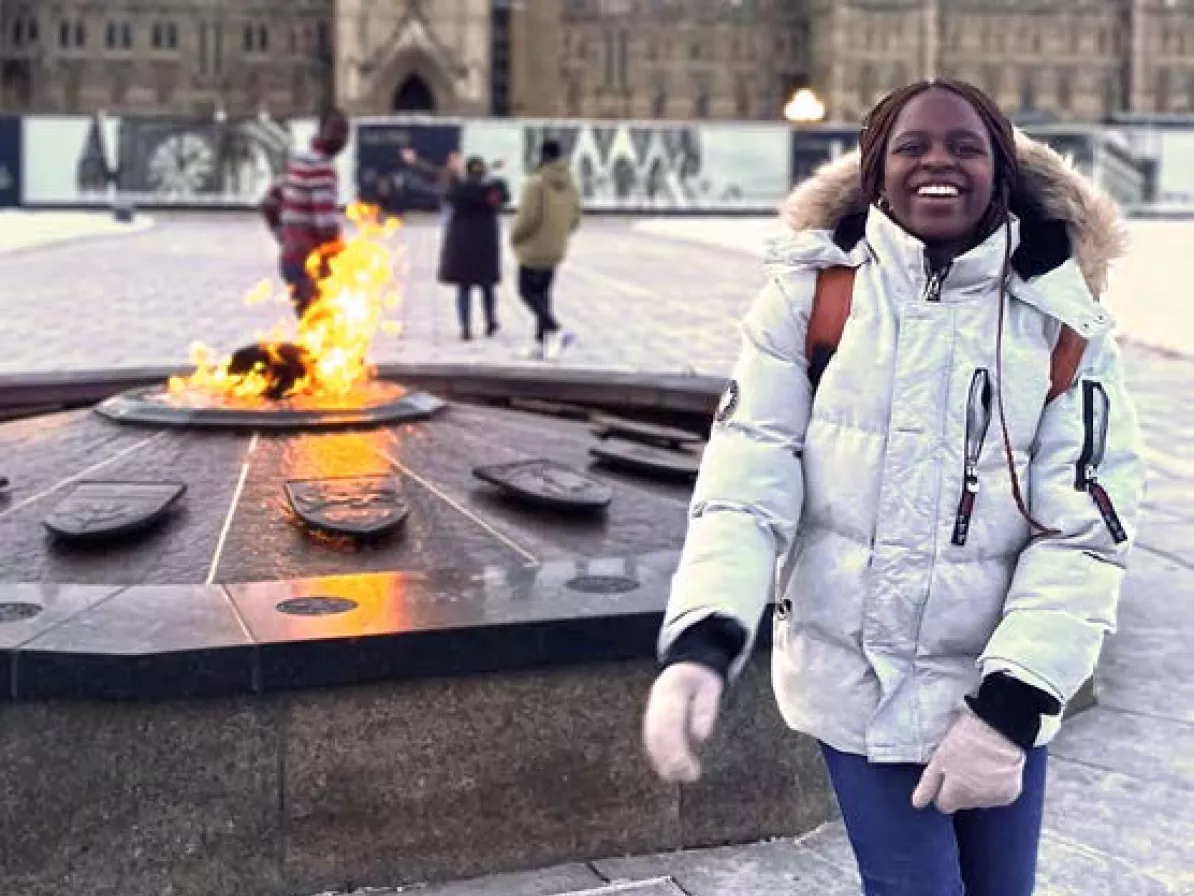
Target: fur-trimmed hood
(1052, 199)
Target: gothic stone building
(183, 57)
(717, 59)
(1064, 59)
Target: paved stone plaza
(666, 296)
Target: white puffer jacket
(887, 621)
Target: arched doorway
(413, 95)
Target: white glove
(974, 767)
(681, 712)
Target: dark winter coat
(471, 251)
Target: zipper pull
(978, 420)
(935, 282)
(966, 506)
(1096, 418)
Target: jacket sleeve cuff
(1013, 708)
(715, 642)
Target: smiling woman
(927, 633)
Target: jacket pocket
(978, 420)
(1096, 416)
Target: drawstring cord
(1039, 529)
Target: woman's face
(939, 169)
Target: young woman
(471, 253)
(954, 536)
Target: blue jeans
(902, 851)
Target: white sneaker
(556, 343)
(533, 352)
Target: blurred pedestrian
(302, 211)
(548, 214)
(927, 634)
(470, 256)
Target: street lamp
(804, 107)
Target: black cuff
(1013, 708)
(715, 641)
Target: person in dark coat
(471, 252)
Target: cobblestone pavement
(143, 299)
(1120, 808)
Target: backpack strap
(832, 301)
(1063, 364)
(834, 296)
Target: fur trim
(1092, 220)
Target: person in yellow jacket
(548, 214)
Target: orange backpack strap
(832, 300)
(1067, 355)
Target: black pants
(464, 304)
(303, 290)
(534, 285)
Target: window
(80, 34)
(24, 31)
(992, 80)
(742, 94)
(700, 102)
(866, 83)
(1027, 90)
(1163, 91)
(659, 98)
(118, 36)
(622, 72)
(211, 48)
(1065, 89)
(164, 36)
(255, 38)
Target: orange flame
(355, 289)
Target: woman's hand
(681, 713)
(974, 767)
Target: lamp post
(804, 107)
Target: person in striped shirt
(302, 210)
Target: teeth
(937, 190)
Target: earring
(883, 205)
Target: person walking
(302, 211)
(944, 591)
(548, 214)
(470, 256)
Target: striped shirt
(309, 215)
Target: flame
(327, 357)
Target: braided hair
(873, 139)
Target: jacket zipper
(978, 420)
(935, 282)
(1096, 416)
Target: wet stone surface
(235, 524)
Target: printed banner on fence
(383, 175)
(648, 167)
(10, 161)
(154, 161)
